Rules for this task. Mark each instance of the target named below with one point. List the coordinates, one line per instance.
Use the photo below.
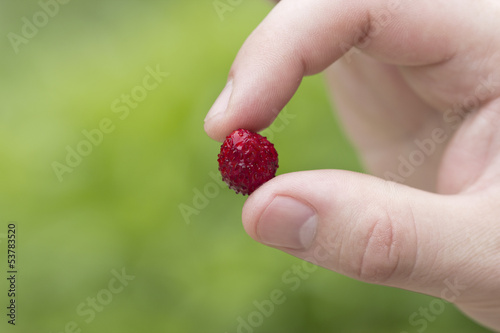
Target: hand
(417, 85)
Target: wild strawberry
(247, 160)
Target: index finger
(300, 38)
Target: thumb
(297, 38)
(366, 228)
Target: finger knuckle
(381, 245)
(379, 250)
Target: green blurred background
(120, 209)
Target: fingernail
(287, 222)
(221, 103)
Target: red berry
(247, 160)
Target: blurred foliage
(119, 208)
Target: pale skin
(416, 67)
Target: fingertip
(255, 205)
(252, 210)
(217, 113)
(213, 131)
